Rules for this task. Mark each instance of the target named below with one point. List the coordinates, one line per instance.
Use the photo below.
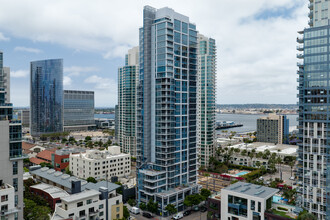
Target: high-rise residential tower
(11, 156)
(206, 98)
(127, 90)
(166, 109)
(314, 108)
(46, 97)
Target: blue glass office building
(46, 97)
(166, 109)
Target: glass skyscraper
(127, 85)
(166, 109)
(206, 98)
(11, 156)
(78, 110)
(46, 96)
(314, 112)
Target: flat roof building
(99, 164)
(273, 129)
(246, 201)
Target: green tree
(131, 202)
(33, 211)
(125, 212)
(88, 138)
(143, 206)
(307, 216)
(258, 164)
(67, 170)
(91, 180)
(170, 208)
(152, 206)
(205, 193)
(291, 164)
(44, 164)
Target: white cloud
(27, 49)
(256, 57)
(19, 73)
(78, 70)
(3, 38)
(67, 81)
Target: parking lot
(286, 174)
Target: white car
(178, 216)
(292, 178)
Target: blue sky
(255, 41)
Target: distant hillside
(257, 106)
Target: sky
(256, 43)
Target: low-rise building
(50, 193)
(7, 202)
(61, 157)
(100, 164)
(246, 201)
(213, 204)
(240, 158)
(90, 204)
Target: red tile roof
(46, 154)
(37, 160)
(27, 146)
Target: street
(193, 216)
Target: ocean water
(249, 121)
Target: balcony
(311, 6)
(310, 23)
(310, 14)
(300, 64)
(300, 40)
(300, 56)
(300, 48)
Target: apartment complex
(127, 86)
(206, 98)
(11, 156)
(25, 117)
(90, 204)
(101, 164)
(46, 97)
(78, 110)
(167, 108)
(273, 129)
(313, 90)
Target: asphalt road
(192, 216)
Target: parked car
(147, 214)
(187, 212)
(203, 209)
(292, 178)
(178, 216)
(195, 208)
(131, 218)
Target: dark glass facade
(46, 98)
(78, 108)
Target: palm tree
(291, 164)
(258, 164)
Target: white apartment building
(246, 201)
(90, 204)
(99, 164)
(7, 202)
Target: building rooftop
(82, 195)
(112, 152)
(53, 191)
(65, 179)
(251, 190)
(282, 149)
(38, 161)
(69, 150)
